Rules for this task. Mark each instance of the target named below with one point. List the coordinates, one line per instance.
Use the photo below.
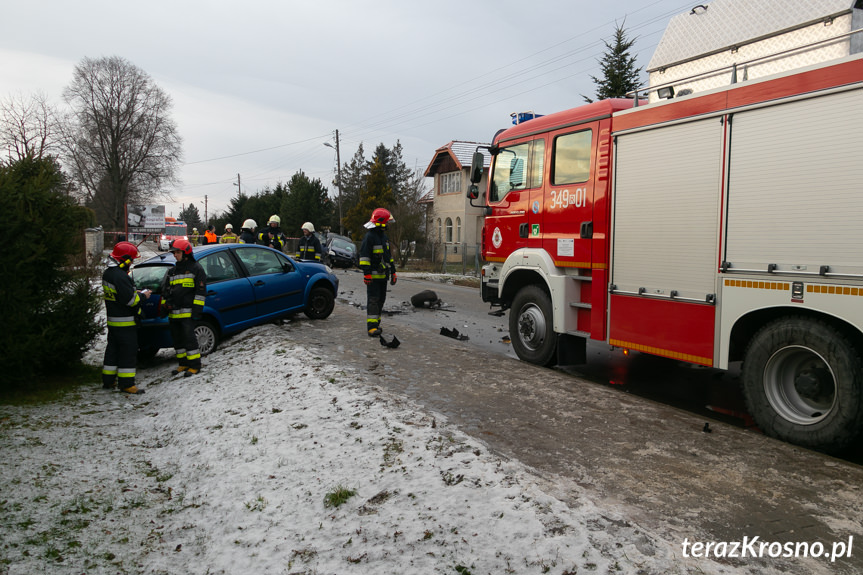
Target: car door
(229, 294)
(278, 285)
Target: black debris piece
(426, 299)
(706, 428)
(389, 341)
(453, 333)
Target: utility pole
(206, 221)
(339, 175)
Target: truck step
(580, 304)
(577, 333)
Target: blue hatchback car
(247, 285)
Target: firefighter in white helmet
(272, 235)
(247, 232)
(229, 237)
(309, 247)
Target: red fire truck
(722, 226)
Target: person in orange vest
(210, 235)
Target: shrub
(47, 292)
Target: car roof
(167, 258)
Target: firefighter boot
(132, 389)
(375, 331)
(190, 372)
(179, 369)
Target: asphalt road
(650, 462)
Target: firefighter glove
(393, 278)
(367, 279)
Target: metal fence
(447, 257)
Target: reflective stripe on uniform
(121, 321)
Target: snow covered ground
(239, 470)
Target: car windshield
(343, 245)
(149, 277)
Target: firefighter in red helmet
(184, 290)
(377, 264)
(122, 306)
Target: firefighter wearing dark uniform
(272, 234)
(122, 306)
(247, 232)
(185, 289)
(309, 247)
(376, 261)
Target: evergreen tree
(306, 201)
(376, 193)
(49, 297)
(236, 213)
(354, 174)
(192, 217)
(619, 74)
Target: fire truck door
(568, 221)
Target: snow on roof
(461, 153)
(722, 24)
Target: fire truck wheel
(531, 327)
(802, 383)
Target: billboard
(145, 219)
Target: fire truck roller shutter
(794, 185)
(666, 209)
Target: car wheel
(802, 384)
(531, 327)
(321, 303)
(207, 336)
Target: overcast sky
(259, 86)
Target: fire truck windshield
(517, 168)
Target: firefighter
(229, 237)
(272, 235)
(210, 235)
(122, 306)
(309, 247)
(247, 232)
(194, 237)
(377, 263)
(185, 289)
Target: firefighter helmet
(181, 246)
(250, 224)
(275, 219)
(124, 252)
(381, 217)
(229, 227)
(194, 230)
(309, 227)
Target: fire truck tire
(802, 383)
(531, 326)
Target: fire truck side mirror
(473, 192)
(476, 167)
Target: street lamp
(339, 175)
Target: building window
(450, 183)
(449, 230)
(439, 231)
(458, 230)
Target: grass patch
(53, 387)
(338, 496)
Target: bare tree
(27, 126)
(120, 142)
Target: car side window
(219, 267)
(261, 261)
